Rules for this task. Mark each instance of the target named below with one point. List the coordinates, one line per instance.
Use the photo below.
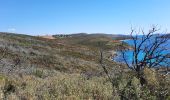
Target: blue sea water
(129, 53)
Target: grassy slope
(68, 69)
(72, 60)
(74, 54)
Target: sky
(40, 17)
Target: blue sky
(39, 17)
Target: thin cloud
(11, 29)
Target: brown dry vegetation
(30, 63)
(35, 68)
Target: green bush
(38, 73)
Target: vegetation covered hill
(68, 68)
(26, 60)
(74, 54)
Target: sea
(129, 53)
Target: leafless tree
(152, 46)
(111, 76)
(102, 48)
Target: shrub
(39, 73)
(151, 77)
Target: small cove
(129, 53)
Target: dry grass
(58, 87)
(52, 69)
(35, 68)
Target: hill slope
(28, 63)
(67, 68)
(75, 54)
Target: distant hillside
(48, 37)
(67, 68)
(113, 36)
(168, 35)
(77, 53)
